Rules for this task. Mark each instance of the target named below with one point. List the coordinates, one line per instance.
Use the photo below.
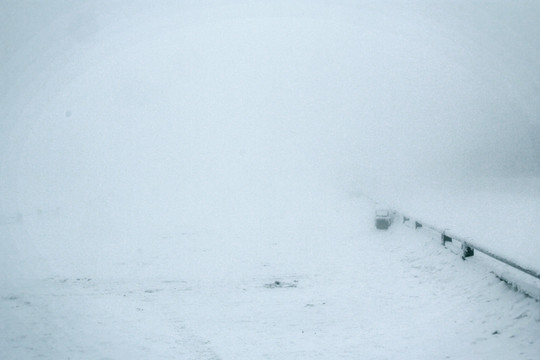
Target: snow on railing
(468, 246)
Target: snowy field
(328, 286)
(183, 180)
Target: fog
(130, 117)
(173, 169)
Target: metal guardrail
(468, 246)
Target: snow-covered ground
(325, 286)
(179, 179)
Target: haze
(130, 118)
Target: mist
(199, 179)
(133, 118)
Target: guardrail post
(445, 239)
(466, 250)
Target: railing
(468, 246)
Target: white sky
(123, 105)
